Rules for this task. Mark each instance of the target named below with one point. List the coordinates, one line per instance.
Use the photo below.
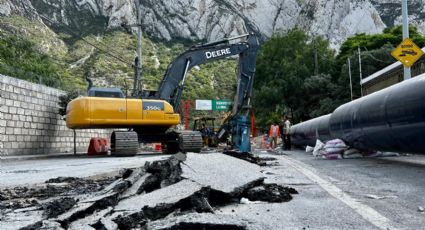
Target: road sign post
(221, 104)
(214, 105)
(405, 16)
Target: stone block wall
(30, 123)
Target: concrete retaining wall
(30, 123)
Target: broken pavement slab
(168, 195)
(89, 221)
(131, 212)
(135, 187)
(158, 190)
(205, 221)
(221, 172)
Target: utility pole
(137, 89)
(407, 72)
(360, 71)
(349, 74)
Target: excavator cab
(206, 125)
(105, 92)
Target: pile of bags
(333, 149)
(337, 149)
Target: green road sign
(221, 104)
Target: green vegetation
(63, 60)
(19, 57)
(33, 52)
(286, 82)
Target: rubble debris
(137, 187)
(161, 199)
(270, 193)
(205, 221)
(126, 173)
(50, 224)
(62, 180)
(17, 203)
(102, 200)
(106, 224)
(92, 220)
(85, 208)
(151, 183)
(268, 158)
(251, 158)
(247, 201)
(177, 190)
(71, 187)
(164, 173)
(56, 207)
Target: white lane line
(363, 210)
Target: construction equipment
(206, 125)
(152, 118)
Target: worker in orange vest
(273, 134)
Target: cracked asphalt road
(367, 193)
(27, 172)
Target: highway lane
(367, 193)
(34, 171)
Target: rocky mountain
(213, 19)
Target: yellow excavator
(152, 118)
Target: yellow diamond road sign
(407, 53)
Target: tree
(284, 64)
(375, 54)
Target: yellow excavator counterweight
(103, 112)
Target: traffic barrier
(98, 146)
(158, 147)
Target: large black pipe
(392, 119)
(308, 132)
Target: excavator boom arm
(172, 84)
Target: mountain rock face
(214, 19)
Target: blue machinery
(392, 119)
(241, 134)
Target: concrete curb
(41, 156)
(67, 155)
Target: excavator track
(190, 141)
(124, 143)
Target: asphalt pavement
(29, 171)
(366, 193)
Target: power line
(373, 57)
